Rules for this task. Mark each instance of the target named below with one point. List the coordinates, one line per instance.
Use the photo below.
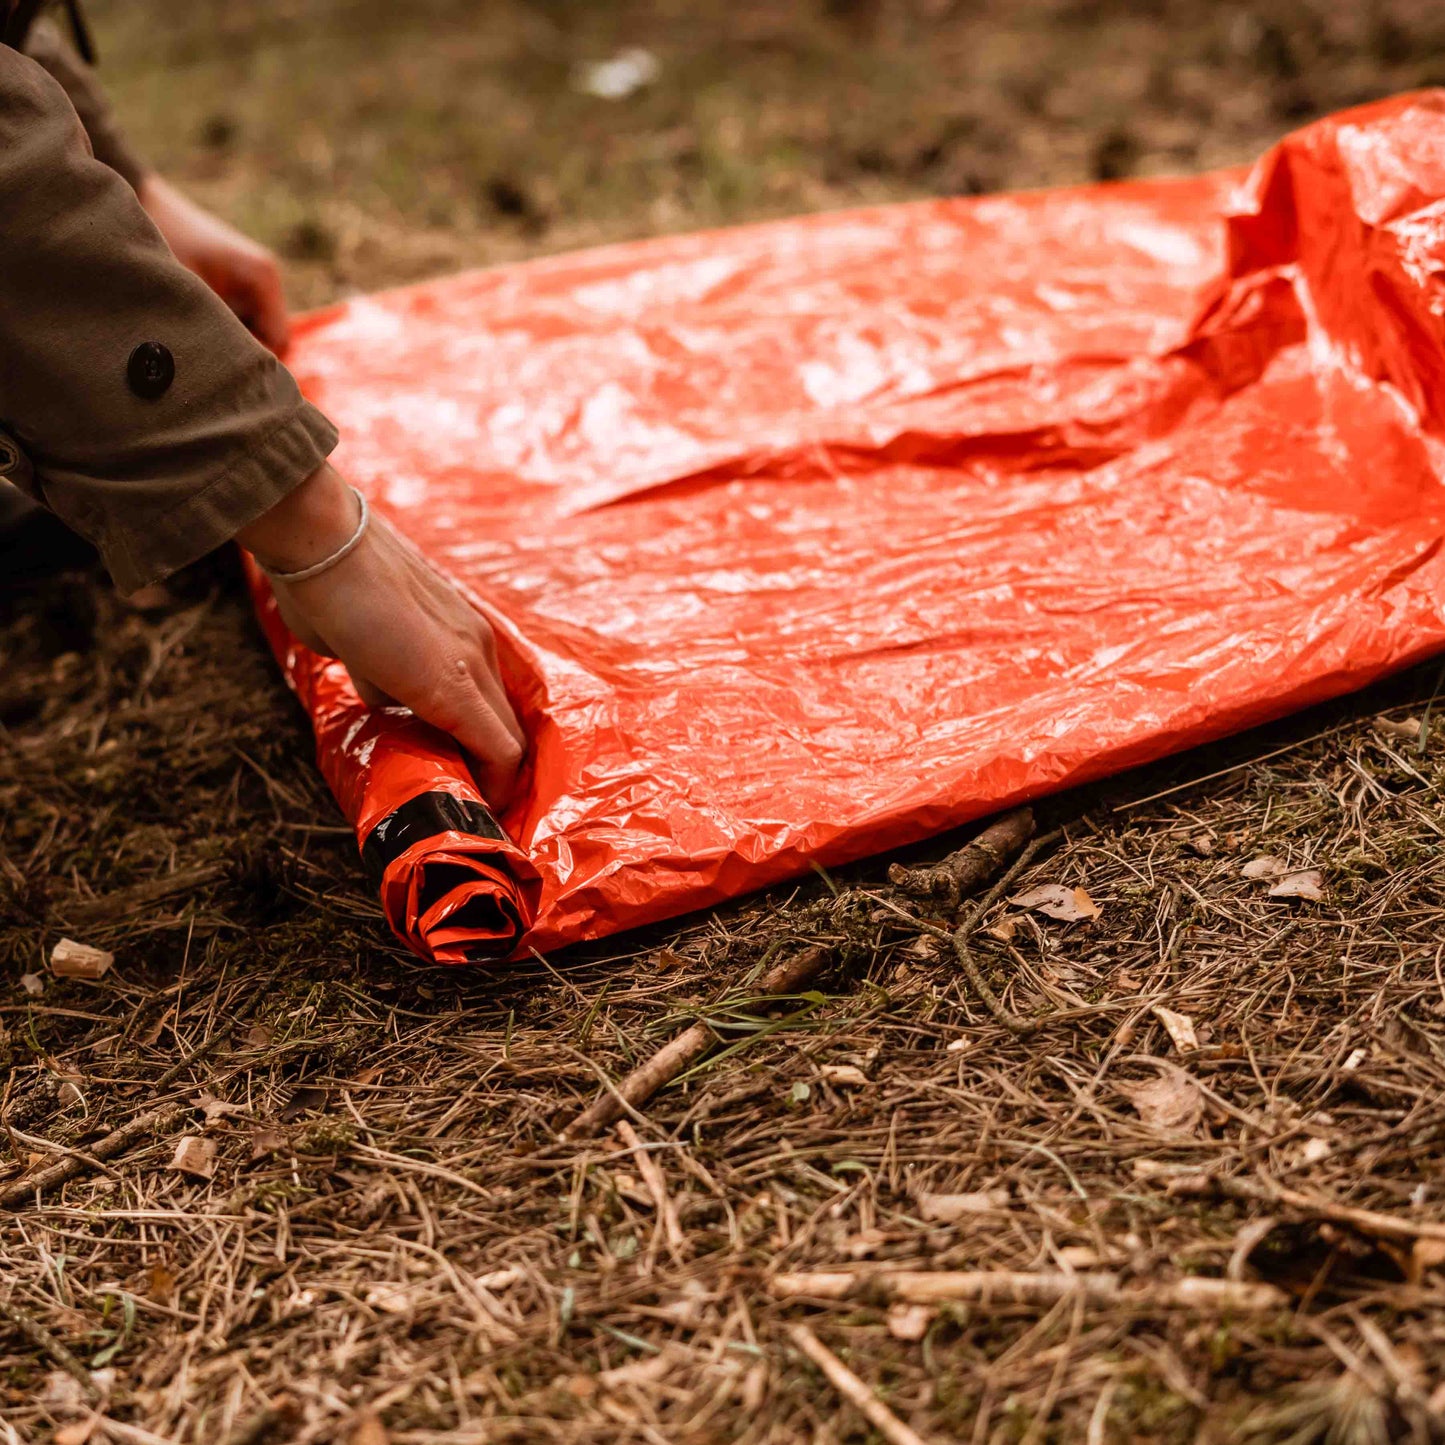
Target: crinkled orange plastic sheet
(809, 539)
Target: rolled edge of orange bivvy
(454, 888)
(448, 891)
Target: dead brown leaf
(1267, 866)
(1310, 884)
(1058, 900)
(1005, 928)
(1179, 1027)
(1171, 1100)
(160, 1283)
(265, 1142)
(214, 1108)
(195, 1155)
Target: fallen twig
(853, 1390)
(1365, 1221)
(685, 1050)
(1017, 1026)
(1006, 880)
(1010, 832)
(140, 895)
(48, 1345)
(34, 1141)
(995, 1286)
(218, 1035)
(959, 873)
(657, 1187)
(21, 1191)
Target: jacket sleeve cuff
(269, 469)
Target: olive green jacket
(133, 403)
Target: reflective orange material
(805, 540)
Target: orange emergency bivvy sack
(805, 540)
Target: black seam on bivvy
(425, 816)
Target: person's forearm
(305, 526)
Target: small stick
(947, 881)
(45, 1146)
(853, 1390)
(218, 1035)
(48, 1345)
(685, 1050)
(1366, 1221)
(1037, 846)
(1003, 1286)
(1011, 831)
(139, 895)
(20, 1191)
(1018, 1027)
(657, 1187)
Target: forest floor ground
(391, 1242)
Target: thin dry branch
(657, 1187)
(111, 906)
(999, 1286)
(1017, 1026)
(1369, 1222)
(1010, 833)
(961, 872)
(685, 1050)
(21, 1191)
(853, 1390)
(31, 1328)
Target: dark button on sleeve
(150, 370)
(14, 464)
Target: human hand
(242, 273)
(405, 634)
